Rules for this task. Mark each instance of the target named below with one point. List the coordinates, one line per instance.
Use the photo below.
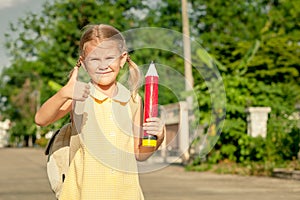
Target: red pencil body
(151, 97)
(150, 101)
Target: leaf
(54, 85)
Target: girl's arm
(153, 126)
(61, 103)
(53, 109)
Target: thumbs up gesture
(77, 90)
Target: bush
(42, 142)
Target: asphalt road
(23, 177)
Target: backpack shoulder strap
(59, 139)
(50, 142)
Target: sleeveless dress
(105, 166)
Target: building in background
(4, 136)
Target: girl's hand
(75, 89)
(154, 126)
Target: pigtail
(78, 64)
(134, 77)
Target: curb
(286, 174)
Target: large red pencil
(150, 102)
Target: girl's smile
(103, 71)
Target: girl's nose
(103, 65)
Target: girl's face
(103, 62)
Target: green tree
(257, 43)
(46, 49)
(46, 46)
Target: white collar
(123, 95)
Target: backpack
(61, 150)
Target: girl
(105, 165)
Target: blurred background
(254, 44)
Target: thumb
(74, 74)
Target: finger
(156, 133)
(86, 89)
(152, 129)
(87, 86)
(81, 98)
(152, 124)
(81, 91)
(74, 75)
(86, 93)
(152, 119)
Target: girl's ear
(123, 59)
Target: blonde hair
(99, 33)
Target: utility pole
(189, 81)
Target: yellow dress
(105, 166)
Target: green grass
(245, 169)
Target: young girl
(105, 165)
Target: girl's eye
(92, 59)
(93, 62)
